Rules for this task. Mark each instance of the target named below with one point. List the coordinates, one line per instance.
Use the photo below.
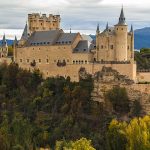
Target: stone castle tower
(121, 30)
(4, 48)
(39, 22)
(115, 43)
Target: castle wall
(106, 47)
(143, 76)
(46, 58)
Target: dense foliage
(58, 114)
(37, 113)
(119, 99)
(143, 59)
(82, 144)
(134, 135)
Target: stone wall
(108, 78)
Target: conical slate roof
(15, 41)
(25, 34)
(4, 42)
(122, 19)
(107, 27)
(131, 30)
(97, 28)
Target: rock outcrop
(108, 78)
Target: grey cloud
(79, 14)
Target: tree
(82, 144)
(119, 98)
(134, 135)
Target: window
(76, 62)
(73, 62)
(39, 60)
(67, 60)
(111, 46)
(128, 47)
(27, 60)
(20, 60)
(47, 60)
(85, 61)
(102, 46)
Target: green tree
(119, 98)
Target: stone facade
(39, 22)
(4, 52)
(115, 43)
(56, 53)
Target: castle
(45, 46)
(4, 52)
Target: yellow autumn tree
(132, 136)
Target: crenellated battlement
(42, 22)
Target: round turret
(121, 31)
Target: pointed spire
(25, 34)
(70, 29)
(15, 41)
(131, 30)
(98, 31)
(122, 19)
(107, 27)
(4, 42)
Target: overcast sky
(79, 14)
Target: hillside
(9, 42)
(142, 38)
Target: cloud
(78, 14)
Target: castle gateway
(45, 46)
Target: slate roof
(86, 37)
(51, 37)
(66, 38)
(25, 33)
(122, 19)
(43, 37)
(83, 46)
(109, 30)
(3, 42)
